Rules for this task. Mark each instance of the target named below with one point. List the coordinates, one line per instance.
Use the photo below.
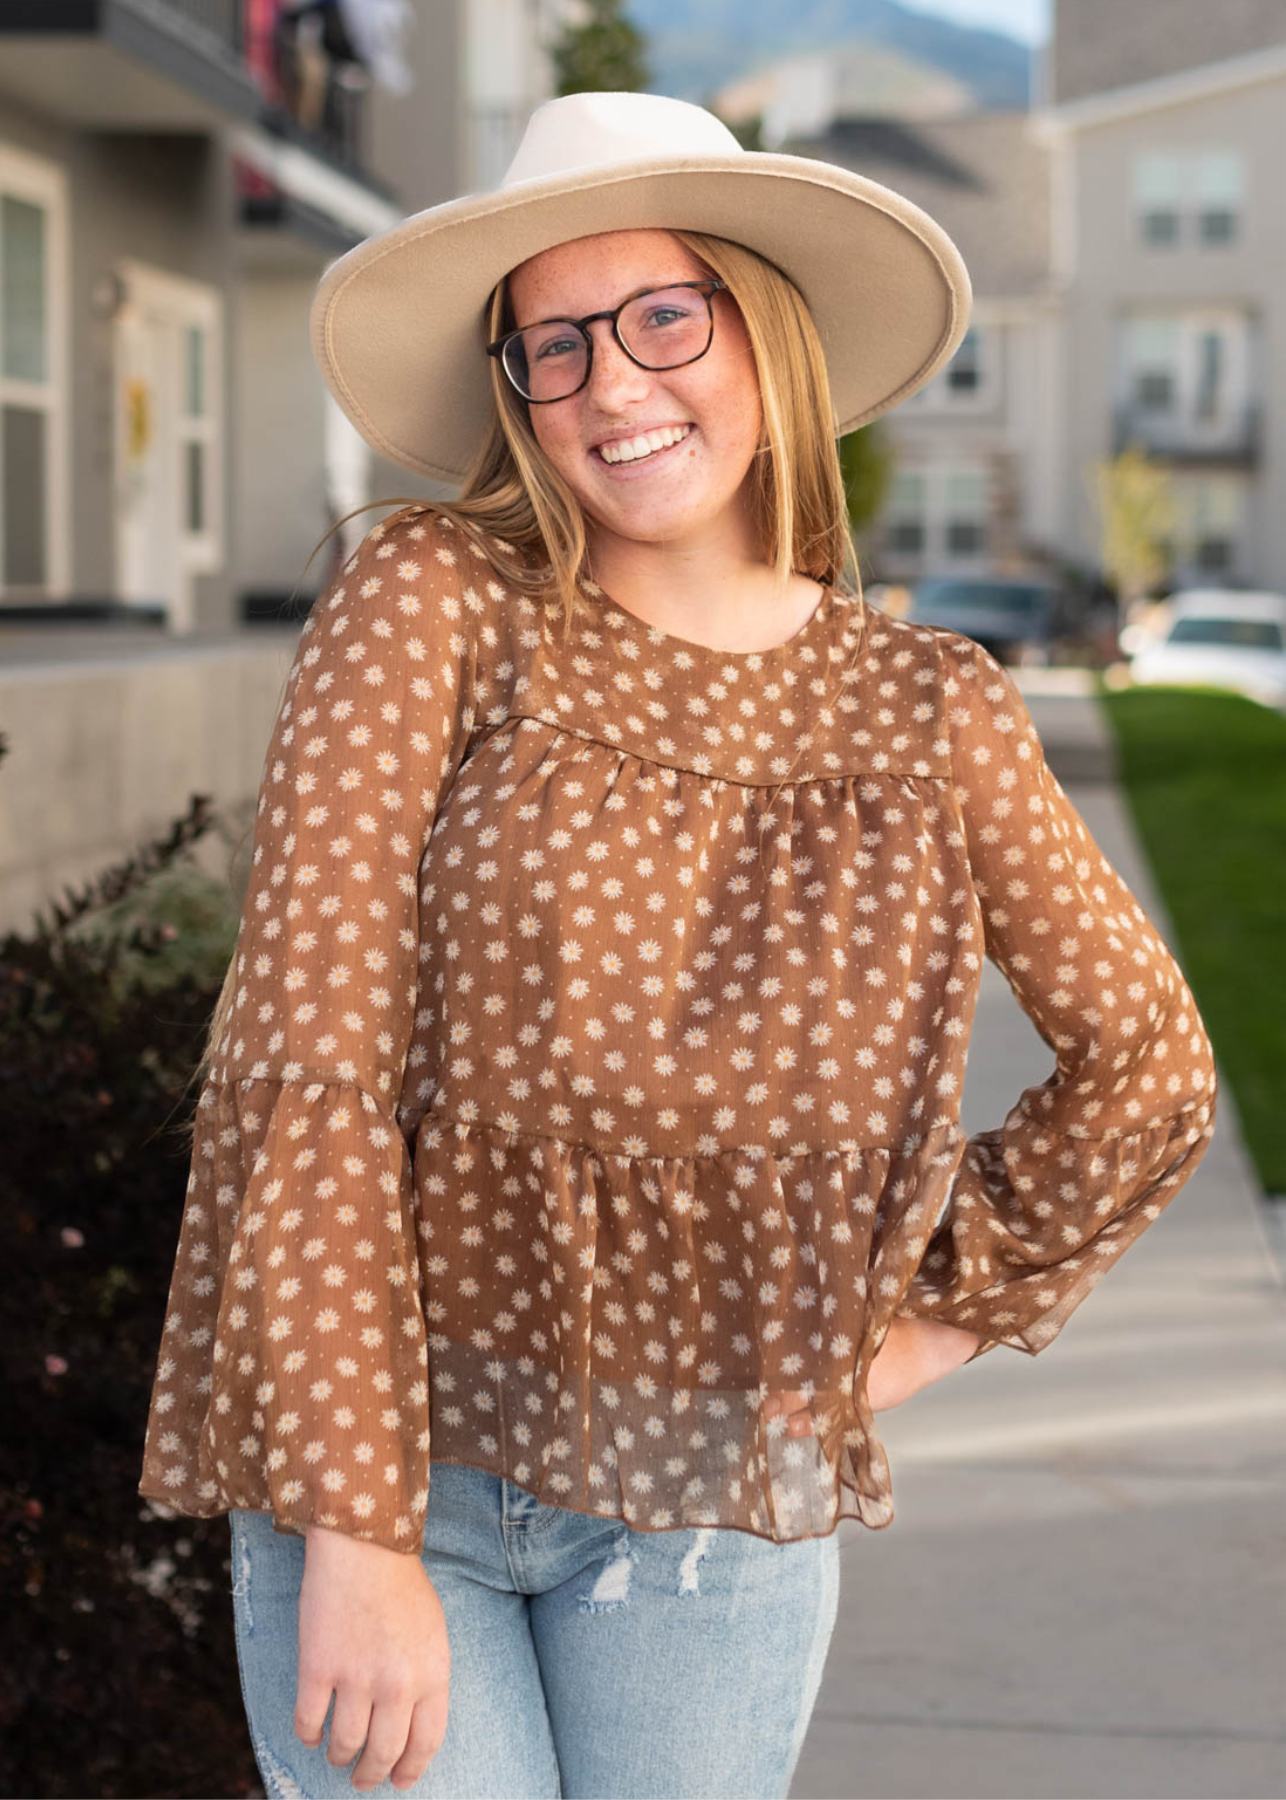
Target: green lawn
(1204, 774)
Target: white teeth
(633, 449)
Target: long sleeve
(293, 1372)
(1042, 1206)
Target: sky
(1025, 19)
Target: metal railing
(311, 89)
(214, 22)
(1233, 437)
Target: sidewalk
(1082, 1590)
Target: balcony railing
(313, 84)
(1233, 437)
(220, 21)
(192, 66)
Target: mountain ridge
(738, 37)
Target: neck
(711, 586)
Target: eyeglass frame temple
(711, 282)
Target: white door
(167, 358)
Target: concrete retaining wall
(104, 753)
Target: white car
(1219, 637)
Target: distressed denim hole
(279, 1782)
(241, 1577)
(612, 1587)
(688, 1567)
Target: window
(1158, 191)
(24, 286)
(23, 448)
(1245, 634)
(939, 512)
(1184, 379)
(965, 537)
(1152, 359)
(906, 536)
(195, 430)
(1209, 354)
(1154, 390)
(1214, 555)
(964, 370)
(32, 211)
(966, 512)
(1218, 195)
(1187, 196)
(1210, 523)
(904, 514)
(971, 381)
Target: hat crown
(587, 131)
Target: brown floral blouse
(595, 1069)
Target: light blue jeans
(587, 1658)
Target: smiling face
(692, 489)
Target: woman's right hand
(371, 1629)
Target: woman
(591, 1058)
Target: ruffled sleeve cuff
(293, 1374)
(1037, 1217)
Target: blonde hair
(529, 524)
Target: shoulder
(414, 571)
(985, 719)
(909, 639)
(394, 606)
(417, 547)
(968, 673)
(976, 710)
(461, 564)
(929, 659)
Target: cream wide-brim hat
(398, 323)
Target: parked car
(1014, 617)
(1219, 637)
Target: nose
(613, 377)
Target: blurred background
(1094, 487)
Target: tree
(606, 53)
(1136, 508)
(866, 462)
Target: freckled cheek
(566, 456)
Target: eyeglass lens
(662, 329)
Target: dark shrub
(120, 1676)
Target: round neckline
(659, 638)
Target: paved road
(1083, 1591)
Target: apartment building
(1127, 251)
(174, 177)
(974, 485)
(1166, 128)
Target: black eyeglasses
(661, 328)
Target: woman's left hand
(915, 1353)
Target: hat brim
(397, 322)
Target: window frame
(1189, 208)
(1234, 327)
(936, 517)
(939, 396)
(36, 181)
(1211, 506)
